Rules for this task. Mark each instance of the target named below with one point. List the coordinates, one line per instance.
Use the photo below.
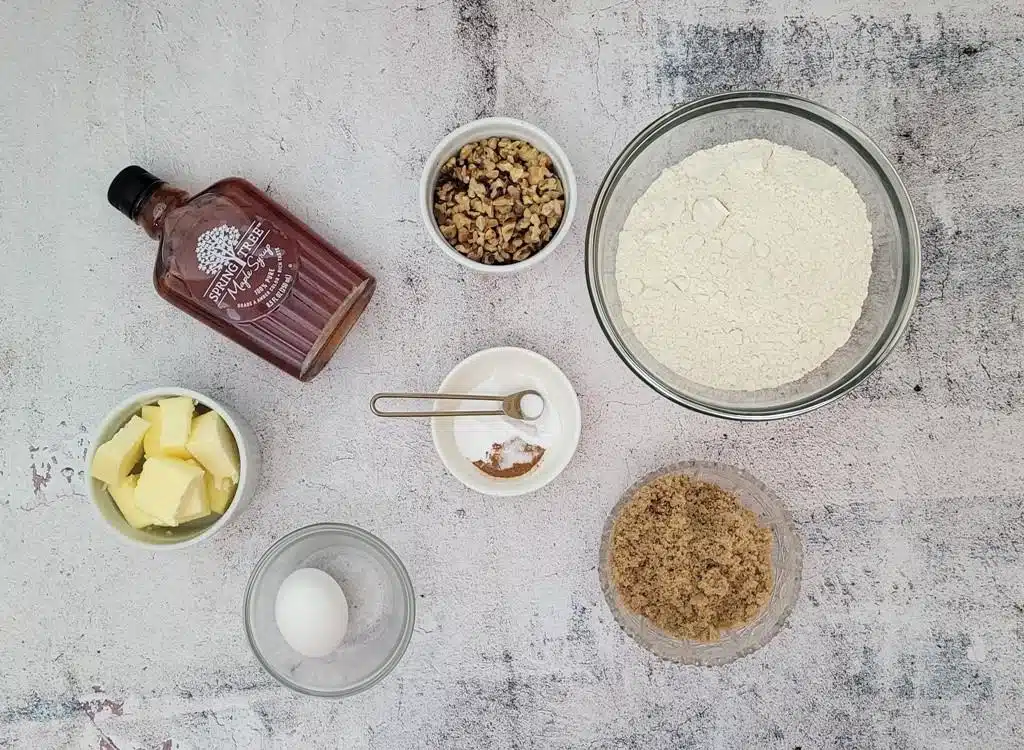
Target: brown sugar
(690, 558)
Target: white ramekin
(173, 538)
(536, 371)
(496, 127)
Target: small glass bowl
(382, 609)
(800, 124)
(787, 564)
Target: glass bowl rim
(396, 654)
(786, 522)
(854, 137)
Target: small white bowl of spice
(498, 195)
(498, 455)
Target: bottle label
(247, 273)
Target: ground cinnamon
(690, 558)
(510, 459)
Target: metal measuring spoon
(511, 405)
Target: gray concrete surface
(910, 625)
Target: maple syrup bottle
(241, 263)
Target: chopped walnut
(498, 201)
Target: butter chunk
(213, 445)
(168, 489)
(151, 445)
(219, 493)
(195, 504)
(115, 459)
(124, 497)
(175, 425)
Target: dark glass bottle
(244, 265)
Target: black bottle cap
(130, 188)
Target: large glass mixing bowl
(800, 124)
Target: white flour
(745, 266)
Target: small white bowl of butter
(186, 478)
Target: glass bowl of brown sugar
(700, 563)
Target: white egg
(311, 612)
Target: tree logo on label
(216, 248)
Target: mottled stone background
(908, 494)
